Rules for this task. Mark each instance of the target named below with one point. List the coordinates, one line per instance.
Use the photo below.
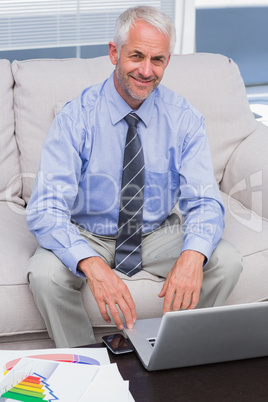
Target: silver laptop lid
(208, 335)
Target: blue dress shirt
(79, 178)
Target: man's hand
(109, 290)
(183, 282)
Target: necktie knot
(132, 119)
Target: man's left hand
(182, 287)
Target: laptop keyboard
(151, 341)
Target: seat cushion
(248, 233)
(19, 313)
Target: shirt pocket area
(161, 193)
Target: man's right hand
(109, 290)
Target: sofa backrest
(41, 86)
(10, 184)
(212, 83)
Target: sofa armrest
(246, 174)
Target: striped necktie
(129, 237)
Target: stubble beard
(126, 86)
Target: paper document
(67, 375)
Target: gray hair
(153, 16)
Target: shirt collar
(118, 108)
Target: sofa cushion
(248, 232)
(18, 313)
(17, 244)
(213, 84)
(246, 173)
(10, 181)
(39, 86)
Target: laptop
(201, 336)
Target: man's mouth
(143, 81)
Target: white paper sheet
(67, 382)
(98, 354)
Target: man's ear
(168, 60)
(113, 54)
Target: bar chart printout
(64, 375)
(31, 389)
(27, 381)
(35, 378)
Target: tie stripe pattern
(128, 243)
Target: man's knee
(46, 272)
(227, 260)
(220, 275)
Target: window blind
(230, 3)
(59, 23)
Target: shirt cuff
(200, 245)
(71, 256)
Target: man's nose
(146, 68)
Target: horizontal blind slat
(54, 23)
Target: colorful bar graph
(29, 390)
(34, 387)
(22, 398)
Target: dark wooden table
(238, 381)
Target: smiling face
(142, 62)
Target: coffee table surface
(238, 381)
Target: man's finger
(164, 287)
(169, 296)
(123, 302)
(130, 303)
(103, 311)
(185, 302)
(127, 313)
(195, 299)
(116, 316)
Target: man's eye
(136, 57)
(157, 62)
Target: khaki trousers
(57, 291)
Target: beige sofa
(30, 94)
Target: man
(76, 205)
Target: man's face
(141, 64)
